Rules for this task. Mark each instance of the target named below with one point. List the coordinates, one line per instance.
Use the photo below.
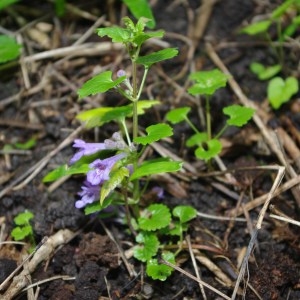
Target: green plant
(24, 230)
(281, 91)
(113, 169)
(207, 83)
(9, 49)
(277, 17)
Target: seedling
(281, 91)
(23, 230)
(277, 17)
(207, 83)
(156, 223)
(263, 72)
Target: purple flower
(89, 194)
(121, 73)
(158, 191)
(86, 149)
(102, 168)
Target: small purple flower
(121, 73)
(158, 191)
(89, 194)
(102, 168)
(85, 149)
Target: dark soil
(91, 258)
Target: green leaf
(27, 145)
(23, 218)
(209, 150)
(99, 116)
(65, 170)
(154, 133)
(197, 139)
(99, 84)
(281, 91)
(115, 178)
(263, 72)
(156, 166)
(185, 213)
(141, 8)
(148, 248)
(239, 115)
(281, 9)
(178, 114)
(150, 59)
(160, 271)
(60, 7)
(6, 3)
(9, 49)
(256, 28)
(207, 82)
(20, 233)
(117, 34)
(139, 39)
(155, 216)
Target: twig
(42, 253)
(194, 278)
(256, 229)
(188, 240)
(35, 169)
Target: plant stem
(135, 126)
(221, 131)
(208, 118)
(142, 83)
(192, 125)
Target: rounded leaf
(154, 217)
(281, 91)
(209, 150)
(207, 82)
(239, 115)
(178, 114)
(185, 213)
(148, 248)
(9, 48)
(160, 271)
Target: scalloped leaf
(116, 33)
(156, 166)
(20, 233)
(9, 48)
(154, 217)
(115, 178)
(281, 91)
(160, 271)
(140, 38)
(23, 218)
(154, 133)
(99, 116)
(185, 213)
(197, 139)
(65, 170)
(239, 115)
(148, 248)
(207, 82)
(99, 84)
(178, 114)
(211, 149)
(256, 28)
(141, 8)
(154, 57)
